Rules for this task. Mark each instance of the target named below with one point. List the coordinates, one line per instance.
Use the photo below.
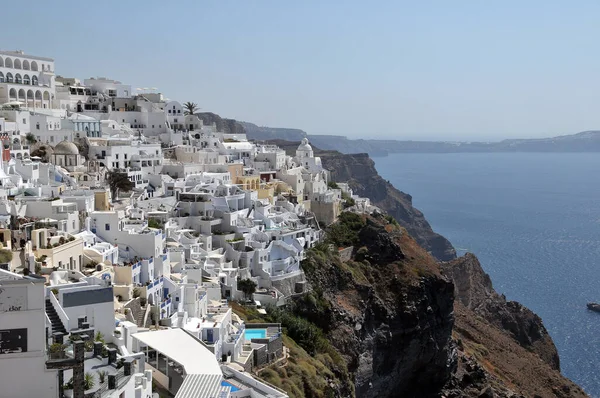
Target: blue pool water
(255, 334)
(533, 219)
(226, 384)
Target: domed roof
(304, 145)
(66, 148)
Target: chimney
(58, 337)
(127, 365)
(112, 355)
(98, 348)
(112, 382)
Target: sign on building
(13, 298)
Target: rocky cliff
(389, 311)
(474, 290)
(359, 171)
(228, 126)
(408, 326)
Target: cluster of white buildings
(135, 289)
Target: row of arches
(25, 65)
(17, 78)
(28, 95)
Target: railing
(62, 315)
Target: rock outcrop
(391, 318)
(227, 126)
(409, 326)
(359, 171)
(474, 290)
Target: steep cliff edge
(359, 171)
(388, 310)
(407, 326)
(474, 290)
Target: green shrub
(6, 256)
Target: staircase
(57, 325)
(140, 317)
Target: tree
(41, 152)
(190, 108)
(248, 286)
(118, 182)
(30, 138)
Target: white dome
(66, 148)
(304, 145)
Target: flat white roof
(183, 349)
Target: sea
(533, 220)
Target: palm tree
(190, 108)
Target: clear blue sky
(426, 69)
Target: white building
(27, 79)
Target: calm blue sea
(534, 222)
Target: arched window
(26, 65)
(12, 93)
(26, 79)
(30, 95)
(34, 66)
(38, 95)
(8, 63)
(17, 64)
(18, 78)
(34, 80)
(1, 77)
(46, 96)
(9, 78)
(1, 61)
(22, 95)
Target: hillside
(392, 322)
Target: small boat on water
(593, 307)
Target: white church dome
(66, 148)
(304, 145)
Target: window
(107, 227)
(125, 157)
(117, 156)
(37, 126)
(24, 121)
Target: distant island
(586, 141)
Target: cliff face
(474, 290)
(228, 126)
(390, 313)
(359, 171)
(411, 327)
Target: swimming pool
(255, 334)
(226, 384)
